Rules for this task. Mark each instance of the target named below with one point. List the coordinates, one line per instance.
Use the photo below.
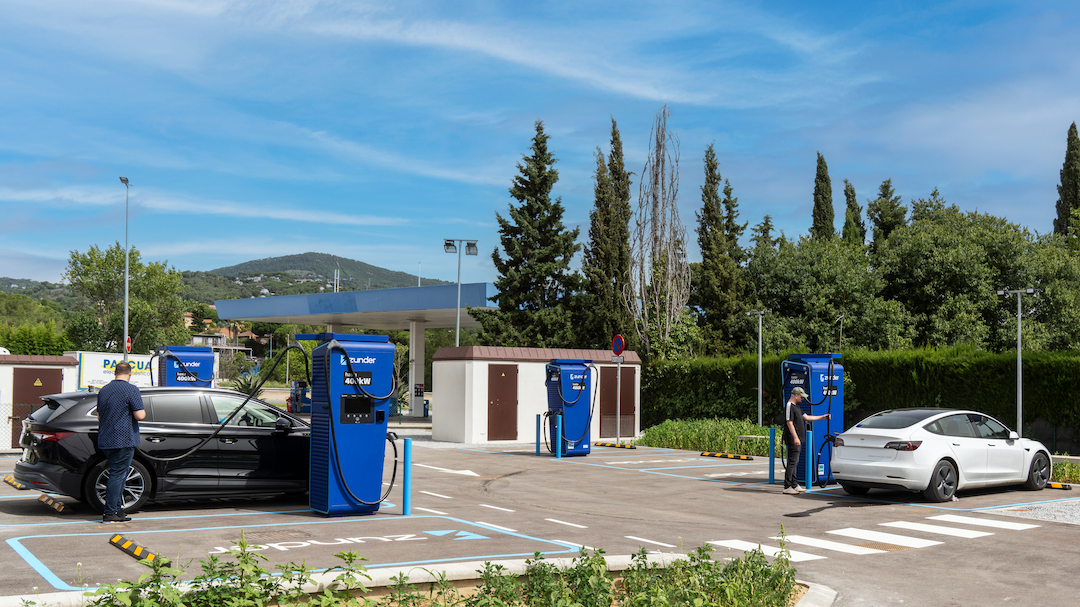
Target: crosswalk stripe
(885, 538)
(794, 557)
(828, 545)
(968, 520)
(953, 531)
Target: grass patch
(715, 434)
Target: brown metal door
(30, 384)
(502, 402)
(608, 387)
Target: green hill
(320, 267)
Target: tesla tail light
(838, 442)
(51, 436)
(904, 445)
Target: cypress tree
(854, 227)
(822, 227)
(535, 285)
(887, 213)
(1069, 188)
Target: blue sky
(375, 130)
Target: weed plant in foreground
(241, 580)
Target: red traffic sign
(618, 344)
(127, 345)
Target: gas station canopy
(385, 309)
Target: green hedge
(959, 377)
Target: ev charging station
(569, 389)
(352, 380)
(823, 379)
(190, 366)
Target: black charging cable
(391, 437)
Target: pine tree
(887, 213)
(535, 284)
(1069, 188)
(606, 259)
(761, 234)
(822, 227)
(854, 228)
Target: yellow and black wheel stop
(14, 483)
(135, 550)
(616, 445)
(726, 455)
(50, 502)
(1064, 486)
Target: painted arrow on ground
(462, 472)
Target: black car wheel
(854, 489)
(1039, 474)
(942, 483)
(136, 487)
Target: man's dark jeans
(793, 451)
(119, 464)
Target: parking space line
(772, 551)
(445, 497)
(497, 526)
(641, 539)
(431, 511)
(573, 545)
(566, 523)
(953, 531)
(814, 542)
(968, 520)
(885, 538)
(496, 508)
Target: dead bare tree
(659, 284)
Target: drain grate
(258, 537)
(883, 546)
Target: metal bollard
(558, 437)
(809, 446)
(538, 434)
(406, 502)
(772, 456)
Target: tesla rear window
(899, 418)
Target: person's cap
(799, 392)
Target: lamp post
(1019, 353)
(450, 245)
(127, 255)
(759, 314)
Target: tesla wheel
(1039, 474)
(854, 490)
(136, 487)
(942, 483)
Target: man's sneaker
(800, 489)
(791, 491)
(119, 517)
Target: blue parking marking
(166, 518)
(59, 584)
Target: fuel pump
(190, 366)
(569, 391)
(352, 381)
(823, 379)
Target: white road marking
(432, 511)
(641, 539)
(885, 538)
(573, 545)
(566, 523)
(721, 474)
(953, 531)
(652, 461)
(497, 526)
(794, 557)
(952, 518)
(463, 472)
(496, 508)
(828, 545)
(445, 497)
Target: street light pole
(1019, 353)
(450, 245)
(127, 255)
(759, 314)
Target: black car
(261, 450)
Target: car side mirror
(283, 425)
(1013, 435)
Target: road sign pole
(618, 400)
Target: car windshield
(897, 418)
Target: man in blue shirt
(119, 407)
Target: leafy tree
(822, 227)
(854, 227)
(1069, 188)
(606, 259)
(40, 338)
(886, 213)
(535, 284)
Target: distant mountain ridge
(321, 266)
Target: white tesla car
(936, 451)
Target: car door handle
(228, 441)
(156, 439)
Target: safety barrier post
(809, 447)
(772, 456)
(406, 502)
(557, 439)
(538, 434)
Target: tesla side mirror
(283, 424)
(1013, 435)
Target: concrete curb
(816, 596)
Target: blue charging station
(301, 402)
(569, 389)
(822, 376)
(352, 380)
(191, 366)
